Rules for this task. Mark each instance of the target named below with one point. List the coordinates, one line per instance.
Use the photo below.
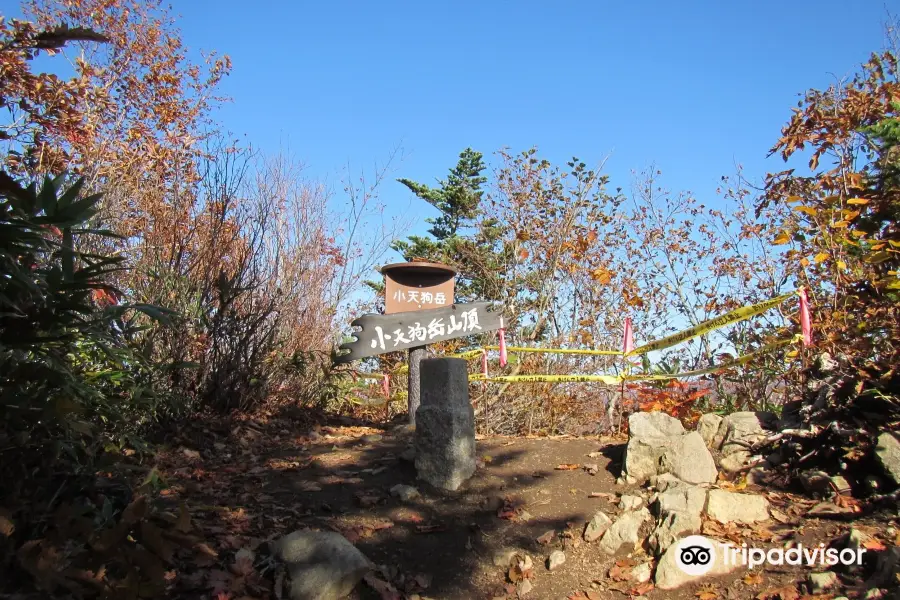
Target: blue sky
(694, 87)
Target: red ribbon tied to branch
(484, 366)
(386, 385)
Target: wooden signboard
(415, 286)
(388, 333)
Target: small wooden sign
(413, 286)
(388, 333)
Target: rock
(817, 483)
(408, 455)
(667, 481)
(671, 528)
(669, 575)
(740, 429)
(322, 565)
(406, 493)
(707, 427)
(735, 462)
(504, 558)
(445, 424)
(642, 573)
(686, 499)
(373, 438)
(524, 587)
(819, 582)
(642, 456)
(653, 424)
(597, 526)
(741, 508)
(556, 558)
(625, 530)
(628, 502)
(888, 453)
(689, 460)
(854, 539)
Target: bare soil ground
(249, 481)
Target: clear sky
(694, 87)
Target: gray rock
(735, 462)
(888, 453)
(322, 565)
(524, 587)
(406, 493)
(653, 424)
(597, 526)
(669, 575)
(819, 582)
(854, 539)
(707, 427)
(684, 499)
(671, 528)
(642, 573)
(689, 460)
(741, 429)
(408, 455)
(625, 530)
(667, 481)
(759, 475)
(642, 456)
(556, 558)
(740, 508)
(372, 438)
(628, 502)
(445, 424)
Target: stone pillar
(445, 424)
(414, 387)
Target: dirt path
(255, 481)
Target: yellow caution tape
(726, 365)
(557, 350)
(735, 316)
(467, 355)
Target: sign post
(419, 310)
(414, 286)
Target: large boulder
(642, 456)
(689, 460)
(658, 444)
(672, 527)
(322, 565)
(653, 424)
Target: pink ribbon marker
(805, 322)
(484, 368)
(386, 385)
(628, 341)
(502, 344)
